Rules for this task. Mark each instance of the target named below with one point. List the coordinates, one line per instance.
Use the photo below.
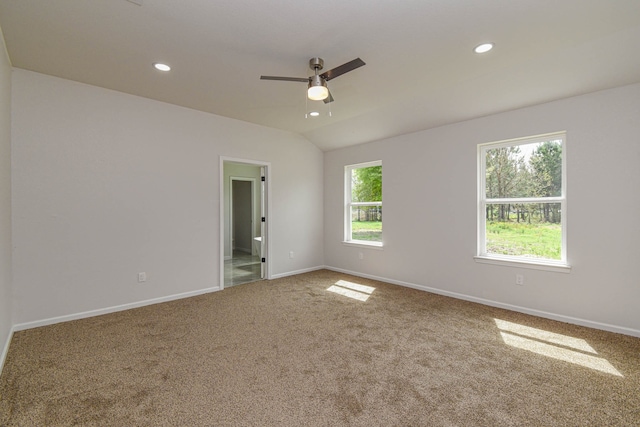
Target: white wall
(5, 199)
(106, 185)
(429, 205)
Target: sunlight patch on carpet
(550, 337)
(351, 290)
(557, 346)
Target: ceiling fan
(317, 84)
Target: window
(522, 200)
(363, 203)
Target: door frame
(266, 200)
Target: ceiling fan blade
(344, 68)
(328, 99)
(286, 79)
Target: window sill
(535, 265)
(363, 244)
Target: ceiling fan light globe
(318, 93)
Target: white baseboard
(107, 310)
(242, 249)
(293, 273)
(553, 316)
(5, 349)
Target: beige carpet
(289, 352)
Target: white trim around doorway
(267, 196)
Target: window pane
(366, 223)
(366, 184)
(531, 230)
(527, 170)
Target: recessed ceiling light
(314, 114)
(161, 67)
(483, 48)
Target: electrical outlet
(142, 277)
(519, 279)
(360, 255)
(291, 254)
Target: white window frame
(560, 265)
(348, 170)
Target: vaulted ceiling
(421, 70)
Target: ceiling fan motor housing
(317, 81)
(317, 89)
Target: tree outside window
(522, 202)
(363, 214)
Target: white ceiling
(421, 71)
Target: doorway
(245, 264)
(244, 213)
